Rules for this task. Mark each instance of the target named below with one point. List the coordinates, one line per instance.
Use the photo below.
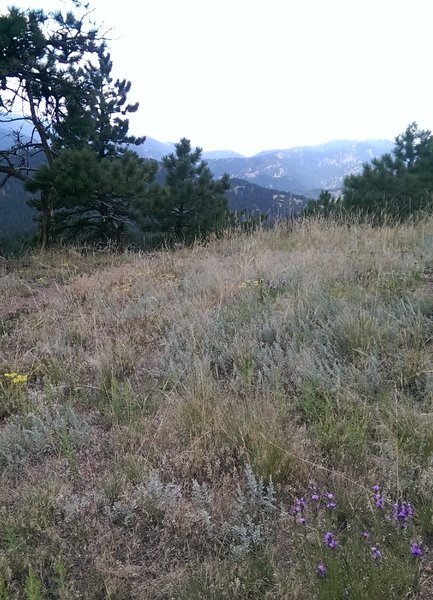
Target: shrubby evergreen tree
(326, 205)
(398, 184)
(191, 204)
(97, 200)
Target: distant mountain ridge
(152, 148)
(217, 154)
(304, 170)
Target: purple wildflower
(299, 505)
(379, 502)
(415, 550)
(375, 553)
(365, 535)
(321, 570)
(301, 520)
(328, 536)
(402, 512)
(329, 540)
(314, 495)
(378, 499)
(330, 496)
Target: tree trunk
(47, 221)
(119, 229)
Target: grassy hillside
(210, 423)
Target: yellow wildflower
(15, 378)
(11, 375)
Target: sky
(254, 75)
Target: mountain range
(154, 149)
(305, 170)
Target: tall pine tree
(40, 66)
(57, 94)
(191, 204)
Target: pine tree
(101, 121)
(97, 200)
(326, 205)
(40, 58)
(398, 184)
(191, 204)
(58, 101)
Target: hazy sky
(252, 75)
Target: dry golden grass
(304, 352)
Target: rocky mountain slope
(256, 199)
(303, 170)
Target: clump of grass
(120, 404)
(12, 285)
(27, 532)
(33, 586)
(342, 426)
